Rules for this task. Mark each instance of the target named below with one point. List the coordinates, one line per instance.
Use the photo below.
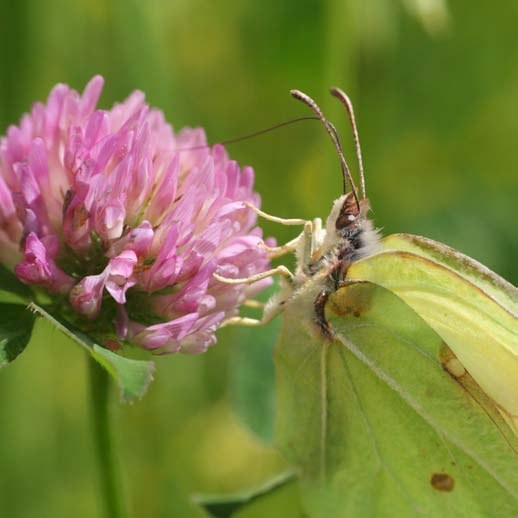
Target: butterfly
(326, 260)
(324, 253)
(388, 340)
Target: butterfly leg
(280, 270)
(304, 244)
(316, 234)
(269, 314)
(305, 250)
(271, 309)
(251, 303)
(279, 251)
(275, 219)
(310, 242)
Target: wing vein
(370, 430)
(420, 410)
(323, 412)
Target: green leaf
(11, 284)
(16, 324)
(252, 378)
(473, 310)
(376, 424)
(132, 376)
(225, 506)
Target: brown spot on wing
(474, 393)
(450, 363)
(355, 298)
(442, 482)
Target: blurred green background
(435, 89)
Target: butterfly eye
(344, 220)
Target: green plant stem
(108, 473)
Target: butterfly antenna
(344, 99)
(248, 135)
(333, 134)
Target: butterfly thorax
(348, 236)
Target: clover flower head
(125, 222)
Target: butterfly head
(347, 215)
